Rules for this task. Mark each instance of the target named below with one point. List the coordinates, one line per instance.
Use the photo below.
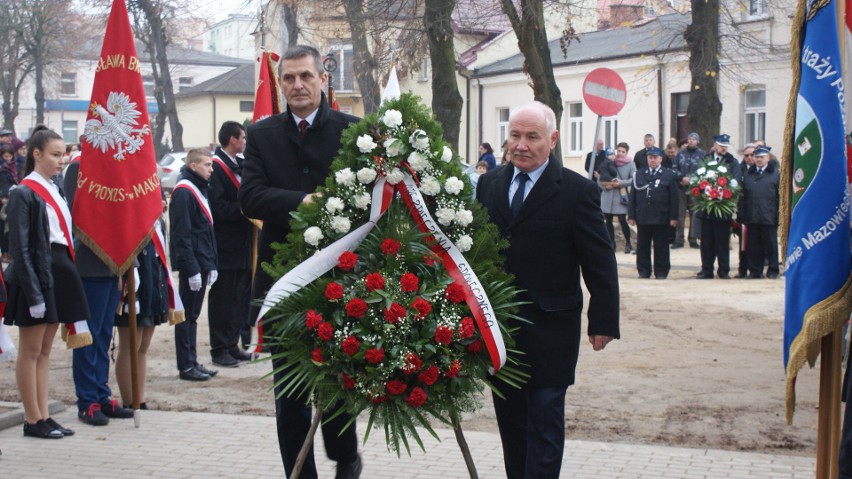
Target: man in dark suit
(640, 159)
(287, 157)
(228, 301)
(716, 229)
(653, 207)
(553, 221)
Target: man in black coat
(192, 247)
(553, 221)
(287, 157)
(599, 156)
(228, 301)
(653, 207)
(759, 212)
(715, 230)
(640, 159)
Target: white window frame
(502, 125)
(756, 8)
(342, 51)
(68, 79)
(609, 131)
(754, 116)
(424, 69)
(70, 131)
(574, 130)
(184, 83)
(149, 84)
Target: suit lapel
(502, 191)
(543, 189)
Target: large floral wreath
(714, 189)
(398, 322)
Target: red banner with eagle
(267, 99)
(118, 194)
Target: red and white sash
(199, 197)
(235, 178)
(59, 207)
(453, 259)
(176, 311)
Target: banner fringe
(76, 341)
(119, 270)
(176, 317)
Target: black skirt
(64, 303)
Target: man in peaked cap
(716, 230)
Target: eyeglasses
(748, 154)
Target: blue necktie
(518, 198)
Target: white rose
(345, 177)
(419, 140)
(711, 174)
(734, 183)
(313, 235)
(418, 161)
(362, 201)
(464, 243)
(395, 176)
(447, 155)
(464, 217)
(334, 204)
(722, 169)
(430, 186)
(713, 163)
(366, 175)
(365, 143)
(701, 170)
(340, 224)
(445, 216)
(454, 185)
(393, 146)
(392, 118)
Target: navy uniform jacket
(232, 229)
(558, 233)
(759, 202)
(653, 198)
(192, 246)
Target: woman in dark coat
(486, 154)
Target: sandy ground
(699, 365)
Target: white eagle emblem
(115, 129)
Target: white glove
(136, 281)
(37, 311)
(211, 277)
(195, 282)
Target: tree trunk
(363, 63)
(702, 37)
(39, 88)
(291, 22)
(529, 27)
(446, 101)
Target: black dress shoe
(41, 429)
(193, 374)
(209, 372)
(662, 276)
(644, 276)
(240, 355)
(349, 470)
(677, 245)
(694, 245)
(225, 360)
(772, 275)
(55, 425)
(703, 275)
(724, 276)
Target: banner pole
(828, 431)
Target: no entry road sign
(604, 92)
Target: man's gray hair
(542, 109)
(302, 51)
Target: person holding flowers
(720, 167)
(287, 157)
(759, 212)
(552, 220)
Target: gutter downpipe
(661, 120)
(461, 71)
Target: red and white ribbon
(199, 197)
(457, 266)
(175, 304)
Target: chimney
(621, 14)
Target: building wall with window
(202, 115)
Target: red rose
(703, 185)
(375, 281)
(313, 319)
(347, 260)
(378, 399)
(350, 345)
(333, 291)
(409, 283)
(396, 387)
(429, 375)
(356, 307)
(394, 313)
(466, 329)
(390, 247)
(325, 331)
(713, 194)
(422, 306)
(726, 194)
(722, 181)
(443, 335)
(475, 347)
(316, 355)
(454, 293)
(374, 355)
(429, 260)
(696, 192)
(454, 369)
(412, 364)
(416, 398)
(348, 382)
